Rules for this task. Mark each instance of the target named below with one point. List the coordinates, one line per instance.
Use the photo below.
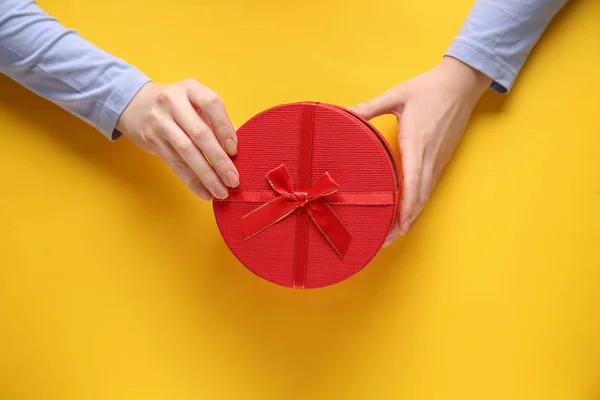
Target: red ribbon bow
(290, 200)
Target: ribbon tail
(267, 215)
(330, 226)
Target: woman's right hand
(187, 126)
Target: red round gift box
(319, 192)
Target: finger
(185, 147)
(165, 151)
(393, 234)
(427, 177)
(386, 103)
(204, 138)
(433, 166)
(411, 149)
(213, 108)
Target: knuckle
(208, 178)
(154, 116)
(185, 178)
(188, 82)
(423, 195)
(428, 137)
(182, 146)
(413, 179)
(199, 133)
(212, 99)
(165, 97)
(413, 142)
(195, 184)
(224, 128)
(149, 140)
(179, 166)
(221, 163)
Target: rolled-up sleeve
(61, 66)
(498, 36)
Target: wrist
(130, 118)
(470, 81)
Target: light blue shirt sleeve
(59, 65)
(498, 36)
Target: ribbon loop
(289, 200)
(324, 186)
(281, 180)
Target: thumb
(386, 103)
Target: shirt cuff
(130, 85)
(480, 58)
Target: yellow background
(115, 283)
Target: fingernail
(230, 147)
(232, 179)
(388, 242)
(405, 227)
(219, 191)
